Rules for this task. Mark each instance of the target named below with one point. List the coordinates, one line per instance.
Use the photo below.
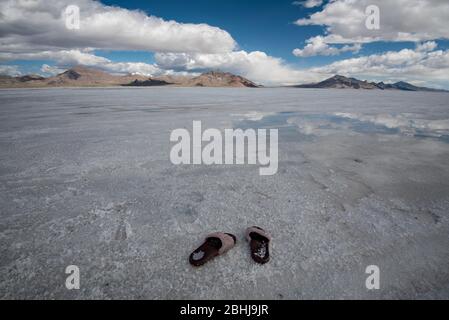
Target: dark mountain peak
(216, 78)
(71, 74)
(342, 82)
(76, 72)
(338, 77)
(150, 82)
(402, 83)
(30, 77)
(83, 69)
(216, 73)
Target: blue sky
(264, 33)
(265, 25)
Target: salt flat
(85, 180)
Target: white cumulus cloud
(51, 70)
(10, 70)
(34, 30)
(419, 65)
(38, 24)
(317, 46)
(400, 20)
(67, 58)
(255, 65)
(308, 3)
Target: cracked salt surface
(85, 179)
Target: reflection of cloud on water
(406, 125)
(324, 124)
(320, 126)
(252, 115)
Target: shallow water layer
(285, 122)
(85, 179)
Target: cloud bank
(34, 30)
(28, 24)
(308, 3)
(423, 63)
(317, 46)
(12, 71)
(400, 20)
(256, 65)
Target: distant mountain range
(81, 76)
(76, 77)
(208, 79)
(342, 82)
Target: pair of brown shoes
(218, 243)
